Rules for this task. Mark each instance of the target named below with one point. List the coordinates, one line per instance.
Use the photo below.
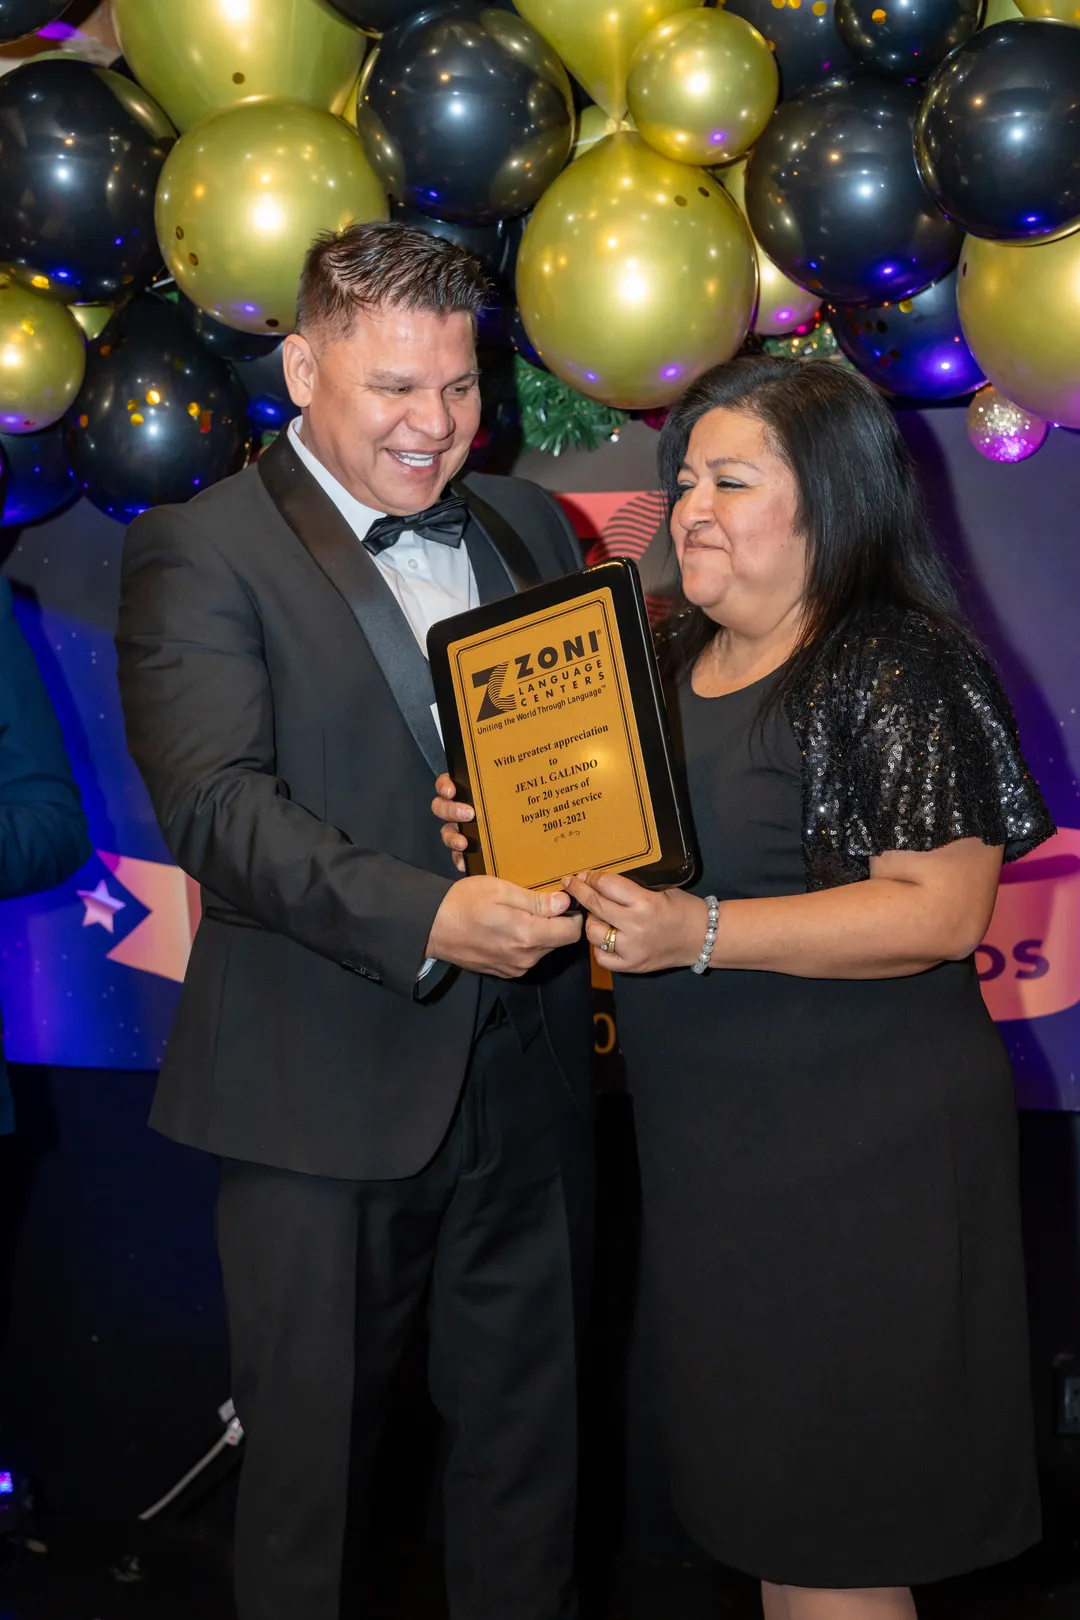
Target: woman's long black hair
(868, 542)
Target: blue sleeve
(43, 838)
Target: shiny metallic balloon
(42, 358)
(1000, 11)
(835, 199)
(81, 149)
(263, 381)
(1067, 11)
(21, 17)
(702, 86)
(496, 246)
(224, 341)
(242, 197)
(636, 274)
(803, 35)
(198, 55)
(1002, 431)
(782, 305)
(379, 15)
(93, 318)
(466, 114)
(37, 477)
(912, 346)
(905, 39)
(1020, 310)
(158, 417)
(998, 133)
(597, 38)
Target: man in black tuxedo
(393, 1064)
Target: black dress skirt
(832, 1229)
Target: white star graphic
(101, 906)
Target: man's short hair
(370, 267)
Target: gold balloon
(597, 38)
(635, 275)
(595, 126)
(241, 198)
(1020, 310)
(93, 318)
(782, 305)
(702, 86)
(42, 359)
(1066, 11)
(194, 56)
(1000, 11)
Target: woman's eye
(681, 490)
(729, 483)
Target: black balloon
(805, 41)
(263, 381)
(834, 197)
(21, 17)
(496, 246)
(224, 341)
(466, 114)
(998, 133)
(380, 15)
(905, 39)
(81, 149)
(158, 417)
(39, 479)
(911, 346)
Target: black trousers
(323, 1280)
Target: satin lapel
(331, 543)
(510, 551)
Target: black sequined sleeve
(934, 753)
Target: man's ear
(300, 366)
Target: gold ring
(609, 939)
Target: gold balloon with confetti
(597, 38)
(195, 56)
(782, 306)
(1002, 431)
(243, 195)
(42, 358)
(1019, 307)
(702, 86)
(635, 275)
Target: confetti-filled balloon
(38, 479)
(197, 55)
(905, 39)
(782, 305)
(242, 197)
(1002, 431)
(702, 86)
(998, 134)
(81, 149)
(636, 274)
(158, 417)
(42, 358)
(597, 38)
(21, 17)
(913, 346)
(466, 114)
(834, 197)
(1020, 310)
(804, 37)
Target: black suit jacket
(279, 709)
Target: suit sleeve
(43, 837)
(198, 709)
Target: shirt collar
(358, 516)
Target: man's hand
(491, 926)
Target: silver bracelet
(710, 935)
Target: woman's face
(742, 559)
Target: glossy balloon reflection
(38, 479)
(42, 358)
(197, 55)
(1002, 431)
(803, 37)
(92, 318)
(158, 417)
(496, 246)
(263, 381)
(466, 114)
(702, 86)
(998, 135)
(81, 150)
(21, 17)
(243, 195)
(1020, 310)
(224, 341)
(379, 15)
(635, 275)
(913, 346)
(597, 38)
(1066, 11)
(905, 39)
(835, 199)
(782, 305)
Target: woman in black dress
(825, 1116)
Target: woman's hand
(654, 928)
(446, 809)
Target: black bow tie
(444, 522)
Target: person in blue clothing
(43, 837)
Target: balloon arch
(651, 185)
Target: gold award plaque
(554, 756)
